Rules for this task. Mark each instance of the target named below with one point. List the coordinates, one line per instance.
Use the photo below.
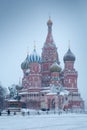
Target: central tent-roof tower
(49, 55)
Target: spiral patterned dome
(55, 67)
(69, 56)
(34, 57)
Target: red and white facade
(45, 84)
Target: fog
(24, 21)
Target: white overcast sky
(24, 21)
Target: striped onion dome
(69, 56)
(34, 57)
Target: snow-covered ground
(69, 121)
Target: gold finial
(49, 14)
(34, 46)
(49, 17)
(69, 44)
(19, 80)
(27, 50)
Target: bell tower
(70, 74)
(49, 55)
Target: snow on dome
(55, 67)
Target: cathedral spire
(49, 24)
(49, 38)
(28, 50)
(34, 46)
(68, 44)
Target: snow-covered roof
(23, 93)
(46, 88)
(64, 92)
(70, 88)
(33, 92)
(12, 100)
(51, 93)
(45, 91)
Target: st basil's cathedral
(45, 84)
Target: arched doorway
(53, 104)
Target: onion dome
(25, 64)
(34, 57)
(55, 67)
(49, 22)
(69, 56)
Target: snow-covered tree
(3, 92)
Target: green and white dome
(55, 67)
